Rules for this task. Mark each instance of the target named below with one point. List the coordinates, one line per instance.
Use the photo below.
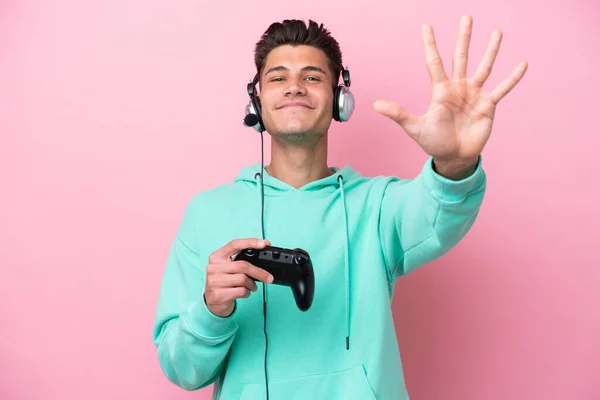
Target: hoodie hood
(325, 186)
(274, 186)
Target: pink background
(114, 113)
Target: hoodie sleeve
(423, 218)
(192, 342)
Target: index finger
(236, 245)
(254, 272)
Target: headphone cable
(262, 213)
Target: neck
(298, 165)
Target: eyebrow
(307, 68)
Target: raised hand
(458, 123)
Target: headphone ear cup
(343, 104)
(254, 107)
(258, 108)
(253, 116)
(336, 102)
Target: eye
(313, 78)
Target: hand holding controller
(289, 267)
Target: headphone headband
(346, 77)
(251, 88)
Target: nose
(295, 87)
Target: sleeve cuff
(451, 191)
(206, 324)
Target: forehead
(295, 58)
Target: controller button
(276, 255)
(300, 258)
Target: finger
(461, 52)
(509, 83)
(485, 66)
(241, 267)
(224, 253)
(229, 294)
(432, 56)
(228, 280)
(408, 121)
(253, 271)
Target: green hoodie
(361, 233)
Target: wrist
(221, 310)
(455, 170)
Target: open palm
(458, 123)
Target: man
(361, 233)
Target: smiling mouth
(294, 105)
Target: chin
(300, 129)
(296, 126)
(297, 133)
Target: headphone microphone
(250, 120)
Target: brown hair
(297, 32)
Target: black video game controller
(289, 267)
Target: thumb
(408, 121)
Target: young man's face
(296, 93)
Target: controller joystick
(289, 267)
(249, 252)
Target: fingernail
(271, 279)
(261, 242)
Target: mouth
(294, 105)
